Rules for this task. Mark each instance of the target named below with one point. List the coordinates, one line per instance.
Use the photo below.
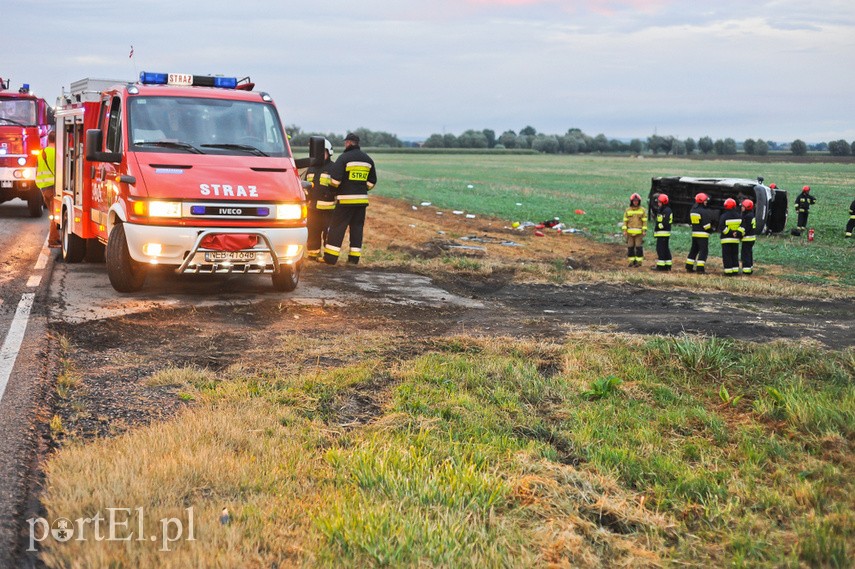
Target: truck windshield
(19, 112)
(209, 126)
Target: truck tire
(287, 278)
(73, 246)
(35, 201)
(126, 275)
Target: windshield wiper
(170, 144)
(12, 121)
(244, 147)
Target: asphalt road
(24, 277)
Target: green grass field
(548, 186)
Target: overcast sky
(772, 69)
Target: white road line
(42, 261)
(12, 344)
(34, 281)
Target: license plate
(230, 256)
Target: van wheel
(35, 201)
(126, 275)
(73, 246)
(287, 278)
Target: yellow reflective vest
(45, 177)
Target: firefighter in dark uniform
(321, 203)
(662, 233)
(352, 176)
(731, 234)
(749, 236)
(703, 224)
(803, 203)
(850, 226)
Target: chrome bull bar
(189, 266)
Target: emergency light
(187, 80)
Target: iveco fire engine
(24, 125)
(186, 171)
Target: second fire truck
(25, 121)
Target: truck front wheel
(126, 275)
(287, 278)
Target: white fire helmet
(328, 146)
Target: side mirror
(94, 141)
(316, 150)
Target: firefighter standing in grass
(850, 226)
(703, 224)
(662, 232)
(731, 235)
(634, 229)
(749, 236)
(352, 175)
(46, 182)
(321, 198)
(803, 203)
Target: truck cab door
(104, 186)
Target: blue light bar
(225, 82)
(183, 79)
(197, 210)
(148, 78)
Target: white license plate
(229, 256)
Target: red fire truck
(25, 121)
(190, 172)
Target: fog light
(292, 250)
(22, 161)
(152, 249)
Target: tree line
(575, 141)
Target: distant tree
(434, 141)
(636, 146)
(545, 144)
(839, 148)
(658, 144)
(528, 131)
(729, 147)
(524, 140)
(690, 145)
(570, 144)
(472, 139)
(678, 147)
(601, 143)
(798, 147)
(449, 140)
(616, 145)
(706, 145)
(490, 135)
(508, 139)
(761, 148)
(750, 146)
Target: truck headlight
(290, 211)
(164, 209)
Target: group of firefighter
(337, 196)
(736, 225)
